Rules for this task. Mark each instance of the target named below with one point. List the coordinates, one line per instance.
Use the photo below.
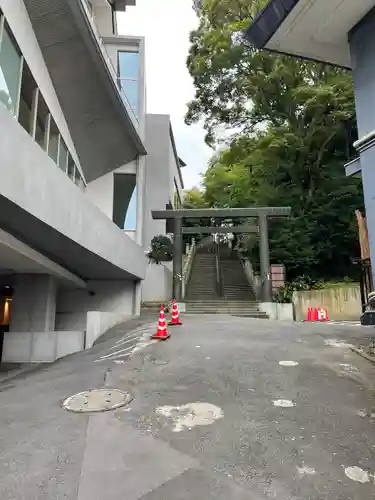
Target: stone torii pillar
(177, 259)
(265, 267)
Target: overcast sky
(166, 24)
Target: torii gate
(262, 213)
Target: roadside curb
(363, 354)
(22, 371)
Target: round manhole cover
(97, 400)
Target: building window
(20, 95)
(28, 98)
(130, 223)
(125, 201)
(11, 62)
(41, 122)
(63, 155)
(128, 78)
(54, 139)
(71, 169)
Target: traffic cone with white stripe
(175, 319)
(161, 332)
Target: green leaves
(293, 125)
(161, 249)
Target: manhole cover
(97, 400)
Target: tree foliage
(161, 249)
(291, 125)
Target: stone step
(244, 310)
(237, 288)
(259, 315)
(216, 302)
(213, 307)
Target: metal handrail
(219, 278)
(188, 267)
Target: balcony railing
(88, 9)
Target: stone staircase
(202, 296)
(235, 284)
(202, 283)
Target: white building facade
(74, 215)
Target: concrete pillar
(34, 304)
(177, 260)
(265, 268)
(137, 298)
(141, 182)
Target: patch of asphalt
(126, 327)
(18, 372)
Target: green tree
(193, 198)
(291, 124)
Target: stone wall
(342, 303)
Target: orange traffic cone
(161, 332)
(175, 320)
(309, 314)
(322, 314)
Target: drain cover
(97, 400)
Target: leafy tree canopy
(291, 125)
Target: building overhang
(18, 258)
(120, 5)
(311, 29)
(105, 134)
(117, 5)
(42, 208)
(353, 168)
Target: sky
(166, 24)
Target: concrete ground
(205, 421)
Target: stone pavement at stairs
(214, 415)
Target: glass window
(128, 73)
(128, 65)
(27, 98)
(77, 177)
(131, 213)
(71, 169)
(63, 156)
(41, 122)
(10, 72)
(130, 87)
(53, 146)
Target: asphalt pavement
(227, 408)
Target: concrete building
(75, 176)
(341, 33)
